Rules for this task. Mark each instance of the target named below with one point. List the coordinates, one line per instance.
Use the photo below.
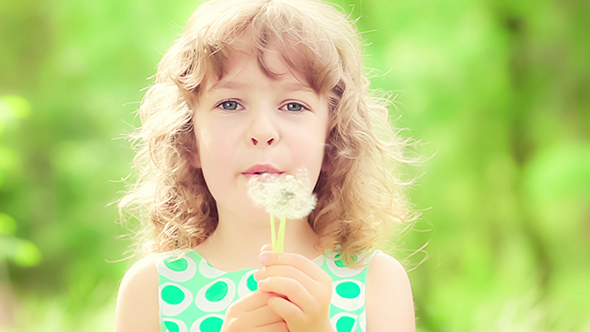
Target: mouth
(261, 170)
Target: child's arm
(389, 302)
(137, 303)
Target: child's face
(248, 122)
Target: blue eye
(295, 107)
(229, 105)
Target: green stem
(281, 239)
(272, 232)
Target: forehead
(277, 58)
(231, 73)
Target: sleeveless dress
(194, 295)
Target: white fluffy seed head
(284, 196)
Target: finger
(287, 310)
(263, 316)
(266, 247)
(268, 258)
(287, 271)
(288, 287)
(252, 301)
(274, 327)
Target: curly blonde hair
(359, 194)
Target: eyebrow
(298, 86)
(228, 85)
(239, 84)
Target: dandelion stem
(273, 232)
(281, 239)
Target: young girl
(254, 87)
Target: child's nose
(268, 141)
(263, 131)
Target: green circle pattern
(211, 324)
(338, 261)
(172, 294)
(177, 265)
(344, 324)
(172, 327)
(348, 290)
(252, 284)
(217, 291)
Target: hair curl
(359, 194)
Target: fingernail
(264, 258)
(260, 283)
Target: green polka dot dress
(194, 296)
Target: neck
(235, 244)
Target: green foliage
(497, 91)
(19, 251)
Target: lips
(261, 169)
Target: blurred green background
(498, 93)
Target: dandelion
(286, 197)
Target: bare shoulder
(389, 300)
(137, 301)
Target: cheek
(215, 140)
(308, 152)
(216, 155)
(216, 160)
